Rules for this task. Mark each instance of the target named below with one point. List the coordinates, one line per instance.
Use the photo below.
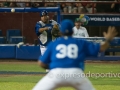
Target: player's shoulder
(53, 22)
(40, 23)
(83, 28)
(52, 44)
(74, 27)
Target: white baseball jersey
(79, 33)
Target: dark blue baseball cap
(43, 13)
(66, 26)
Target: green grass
(29, 86)
(33, 67)
(27, 67)
(102, 68)
(27, 82)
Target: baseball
(12, 10)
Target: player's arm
(39, 29)
(43, 65)
(43, 29)
(111, 33)
(92, 49)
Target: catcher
(46, 30)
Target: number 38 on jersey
(70, 51)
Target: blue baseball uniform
(67, 52)
(45, 37)
(64, 56)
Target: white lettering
(97, 19)
(113, 19)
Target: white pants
(42, 49)
(59, 77)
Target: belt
(42, 46)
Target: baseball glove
(55, 31)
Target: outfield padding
(32, 52)
(7, 51)
(11, 51)
(28, 52)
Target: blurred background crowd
(69, 7)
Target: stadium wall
(23, 21)
(26, 22)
